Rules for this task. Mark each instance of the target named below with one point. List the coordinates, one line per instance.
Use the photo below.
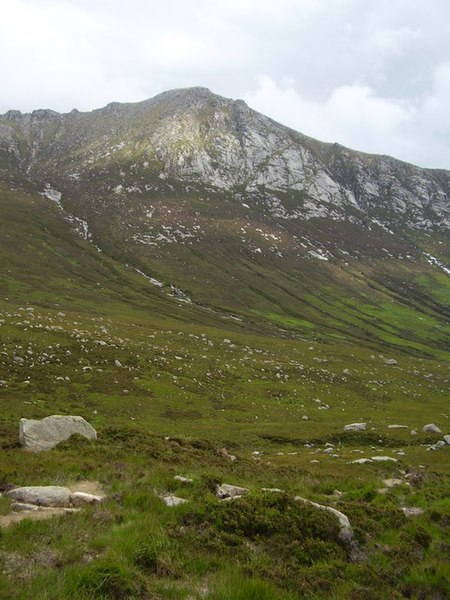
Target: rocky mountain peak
(199, 139)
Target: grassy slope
(182, 380)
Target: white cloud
(417, 130)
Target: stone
(226, 490)
(183, 479)
(78, 499)
(355, 427)
(412, 511)
(117, 363)
(431, 428)
(447, 439)
(173, 500)
(397, 426)
(383, 459)
(390, 361)
(44, 434)
(361, 461)
(23, 506)
(46, 495)
(344, 522)
(225, 453)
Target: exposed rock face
(39, 435)
(201, 139)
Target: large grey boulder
(37, 435)
(48, 495)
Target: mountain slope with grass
(219, 296)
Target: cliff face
(192, 140)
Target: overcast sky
(372, 75)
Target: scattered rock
(355, 427)
(117, 363)
(173, 500)
(390, 483)
(44, 434)
(412, 511)
(383, 459)
(437, 446)
(397, 426)
(183, 479)
(225, 453)
(361, 461)
(447, 439)
(390, 361)
(226, 490)
(431, 428)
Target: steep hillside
(238, 213)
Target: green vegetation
(269, 362)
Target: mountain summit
(197, 139)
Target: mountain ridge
(195, 136)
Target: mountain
(197, 140)
(226, 301)
(228, 209)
